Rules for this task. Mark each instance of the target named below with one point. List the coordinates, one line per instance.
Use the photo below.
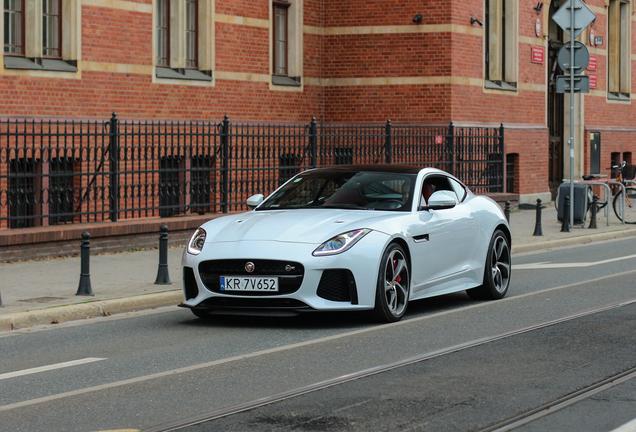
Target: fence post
(503, 158)
(388, 145)
(225, 143)
(84, 287)
(113, 152)
(450, 147)
(313, 142)
(163, 277)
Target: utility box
(580, 202)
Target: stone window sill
(43, 64)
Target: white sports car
(349, 238)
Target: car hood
(295, 226)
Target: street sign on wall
(538, 54)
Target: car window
(460, 190)
(433, 184)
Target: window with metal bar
(14, 27)
(201, 180)
(619, 50)
(171, 171)
(22, 192)
(61, 190)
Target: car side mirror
(254, 201)
(441, 200)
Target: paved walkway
(43, 292)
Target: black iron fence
(59, 172)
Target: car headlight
(341, 242)
(196, 242)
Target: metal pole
(538, 230)
(313, 140)
(572, 201)
(84, 287)
(163, 278)
(387, 143)
(225, 138)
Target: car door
(442, 254)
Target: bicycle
(626, 173)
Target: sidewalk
(43, 292)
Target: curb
(572, 241)
(94, 309)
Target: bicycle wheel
(630, 205)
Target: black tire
(393, 287)
(497, 271)
(630, 205)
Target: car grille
(338, 285)
(289, 281)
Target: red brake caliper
(398, 279)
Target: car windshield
(363, 190)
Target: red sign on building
(593, 80)
(592, 64)
(439, 139)
(538, 54)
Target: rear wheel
(497, 271)
(630, 205)
(392, 291)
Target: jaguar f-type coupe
(349, 238)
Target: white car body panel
(447, 247)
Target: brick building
(472, 62)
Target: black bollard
(565, 227)
(507, 211)
(84, 287)
(594, 209)
(163, 278)
(538, 231)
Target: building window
(35, 31)
(191, 34)
(14, 27)
(501, 34)
(280, 38)
(619, 50)
(286, 42)
(163, 33)
(51, 28)
(185, 39)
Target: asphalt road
(164, 368)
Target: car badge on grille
(249, 267)
(289, 268)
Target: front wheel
(630, 205)
(392, 291)
(497, 271)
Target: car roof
(402, 169)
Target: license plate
(249, 283)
